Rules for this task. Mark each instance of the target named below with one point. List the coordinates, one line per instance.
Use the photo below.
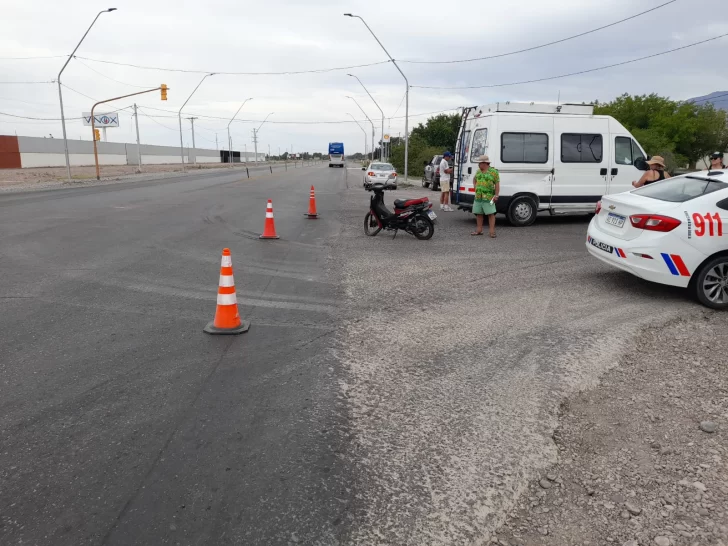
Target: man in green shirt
(487, 188)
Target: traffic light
(164, 91)
(97, 134)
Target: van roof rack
(536, 108)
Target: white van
(556, 158)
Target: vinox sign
(101, 120)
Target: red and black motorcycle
(411, 215)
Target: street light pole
(370, 121)
(255, 135)
(230, 142)
(60, 94)
(406, 82)
(364, 131)
(179, 116)
(381, 149)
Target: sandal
(477, 233)
(492, 235)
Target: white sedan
(379, 172)
(671, 232)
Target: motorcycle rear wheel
(422, 227)
(371, 225)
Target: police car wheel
(522, 211)
(711, 284)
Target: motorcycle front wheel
(371, 225)
(422, 227)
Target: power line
(280, 122)
(139, 109)
(547, 44)
(574, 73)
(284, 73)
(112, 79)
(24, 83)
(29, 58)
(36, 119)
(400, 105)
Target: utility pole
(139, 147)
(217, 147)
(255, 143)
(268, 152)
(192, 121)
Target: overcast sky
(277, 35)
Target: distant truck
(336, 154)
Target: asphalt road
(390, 391)
(120, 421)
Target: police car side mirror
(641, 164)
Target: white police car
(671, 232)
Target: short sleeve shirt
(485, 184)
(444, 177)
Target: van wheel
(711, 283)
(522, 211)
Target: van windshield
(680, 189)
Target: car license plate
(601, 246)
(615, 220)
(431, 214)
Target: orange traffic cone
(227, 320)
(312, 205)
(269, 231)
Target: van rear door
(582, 161)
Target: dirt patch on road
(643, 459)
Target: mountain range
(718, 98)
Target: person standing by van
(487, 188)
(655, 174)
(445, 171)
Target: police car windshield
(680, 189)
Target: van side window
(479, 141)
(636, 152)
(581, 148)
(623, 150)
(524, 148)
(464, 147)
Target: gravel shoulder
(638, 463)
(458, 353)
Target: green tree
(441, 130)
(681, 132)
(436, 135)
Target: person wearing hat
(487, 188)
(716, 161)
(655, 174)
(445, 171)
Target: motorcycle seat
(404, 203)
